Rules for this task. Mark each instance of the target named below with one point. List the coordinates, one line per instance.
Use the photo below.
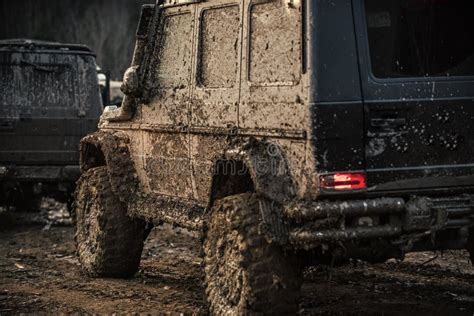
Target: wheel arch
(110, 149)
(255, 166)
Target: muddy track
(39, 273)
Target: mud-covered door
(165, 119)
(272, 80)
(215, 97)
(216, 81)
(417, 66)
(273, 99)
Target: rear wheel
(109, 243)
(245, 274)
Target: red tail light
(344, 181)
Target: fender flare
(268, 168)
(270, 174)
(111, 149)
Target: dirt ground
(39, 273)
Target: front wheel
(109, 243)
(244, 274)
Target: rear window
(219, 47)
(35, 85)
(275, 44)
(421, 38)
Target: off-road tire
(244, 273)
(108, 242)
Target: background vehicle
(289, 132)
(49, 99)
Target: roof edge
(39, 44)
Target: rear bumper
(39, 173)
(317, 222)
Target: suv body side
(418, 128)
(267, 83)
(194, 117)
(259, 123)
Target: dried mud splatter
(39, 273)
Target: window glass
(174, 58)
(275, 43)
(219, 47)
(419, 38)
(34, 85)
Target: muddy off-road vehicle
(49, 100)
(289, 133)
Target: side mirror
(131, 82)
(131, 85)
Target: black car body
(392, 102)
(49, 99)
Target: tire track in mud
(40, 273)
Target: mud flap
(273, 226)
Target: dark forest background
(106, 26)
